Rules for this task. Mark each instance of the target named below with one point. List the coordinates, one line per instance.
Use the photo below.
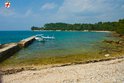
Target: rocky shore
(113, 46)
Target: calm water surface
(65, 43)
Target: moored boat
(40, 37)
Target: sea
(66, 43)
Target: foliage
(120, 27)
(104, 26)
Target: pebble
(107, 55)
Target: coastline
(10, 73)
(70, 31)
(105, 71)
(16, 69)
(85, 59)
(102, 31)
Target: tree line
(100, 26)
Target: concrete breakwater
(26, 42)
(8, 50)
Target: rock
(0, 46)
(107, 55)
(116, 42)
(12, 71)
(103, 51)
(119, 42)
(108, 41)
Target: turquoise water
(65, 43)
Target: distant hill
(100, 26)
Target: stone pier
(26, 42)
(7, 50)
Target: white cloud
(48, 6)
(84, 7)
(89, 10)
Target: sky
(26, 13)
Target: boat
(41, 37)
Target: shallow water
(65, 44)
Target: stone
(107, 41)
(107, 55)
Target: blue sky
(25, 13)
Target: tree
(120, 28)
(108, 26)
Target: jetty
(7, 50)
(26, 42)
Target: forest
(117, 26)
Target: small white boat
(40, 37)
(37, 38)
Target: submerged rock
(108, 41)
(119, 42)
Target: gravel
(100, 72)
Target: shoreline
(70, 31)
(36, 72)
(107, 42)
(14, 70)
(70, 63)
(104, 72)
